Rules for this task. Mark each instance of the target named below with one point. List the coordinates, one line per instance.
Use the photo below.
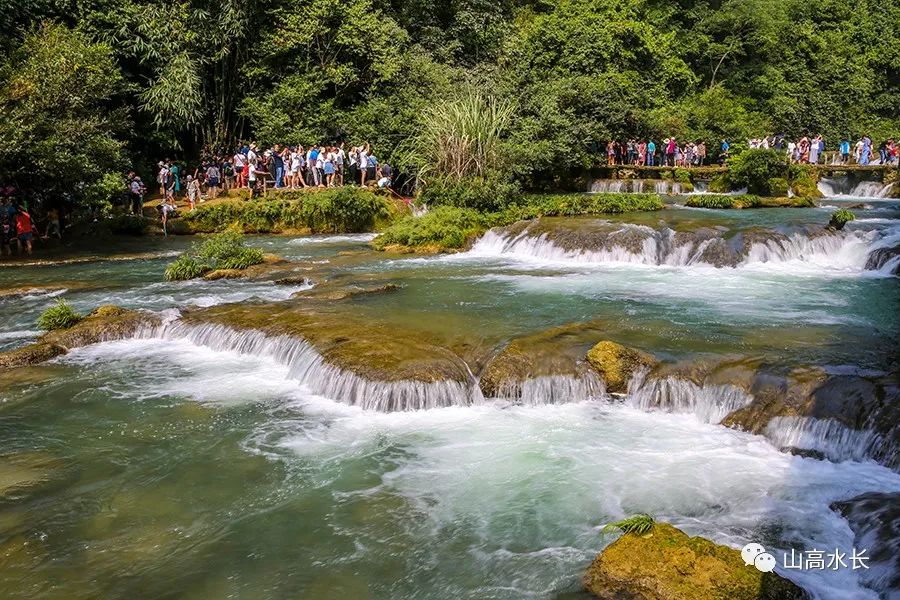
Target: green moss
(617, 363)
(682, 176)
(778, 186)
(720, 184)
(664, 562)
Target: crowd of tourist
(806, 150)
(258, 169)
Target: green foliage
(778, 186)
(484, 194)
(127, 225)
(445, 227)
(58, 134)
(754, 169)
(59, 316)
(221, 251)
(185, 267)
(461, 138)
(337, 210)
(724, 201)
(803, 180)
(682, 176)
(638, 524)
(840, 217)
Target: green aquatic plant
(221, 251)
(59, 316)
(840, 217)
(639, 524)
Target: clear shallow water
(172, 470)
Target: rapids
(198, 460)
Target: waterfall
(662, 187)
(676, 188)
(710, 403)
(608, 186)
(833, 439)
(308, 367)
(553, 389)
(839, 188)
(847, 250)
(637, 186)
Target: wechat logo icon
(754, 554)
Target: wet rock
(805, 453)
(878, 258)
(875, 520)
(667, 564)
(556, 352)
(270, 267)
(616, 363)
(104, 324)
(373, 350)
(324, 293)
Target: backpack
(314, 155)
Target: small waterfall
(637, 186)
(676, 188)
(710, 403)
(662, 187)
(553, 389)
(608, 186)
(308, 367)
(840, 188)
(847, 250)
(833, 439)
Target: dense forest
(91, 89)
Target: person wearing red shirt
(24, 229)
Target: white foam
(350, 238)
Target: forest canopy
(92, 88)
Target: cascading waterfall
(833, 439)
(710, 404)
(608, 186)
(553, 389)
(662, 187)
(838, 188)
(848, 250)
(309, 368)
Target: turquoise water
(159, 468)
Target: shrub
(639, 524)
(682, 176)
(755, 168)
(724, 201)
(778, 186)
(840, 217)
(128, 225)
(445, 227)
(185, 267)
(59, 316)
(338, 210)
(803, 180)
(720, 184)
(481, 193)
(221, 251)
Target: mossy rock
(667, 564)
(617, 363)
(105, 323)
(720, 185)
(556, 351)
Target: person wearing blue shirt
(845, 151)
(651, 153)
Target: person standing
(651, 153)
(24, 229)
(845, 151)
(363, 164)
(238, 162)
(278, 164)
(866, 150)
(136, 192)
(213, 176)
(814, 151)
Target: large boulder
(667, 564)
(617, 363)
(104, 324)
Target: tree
(58, 132)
